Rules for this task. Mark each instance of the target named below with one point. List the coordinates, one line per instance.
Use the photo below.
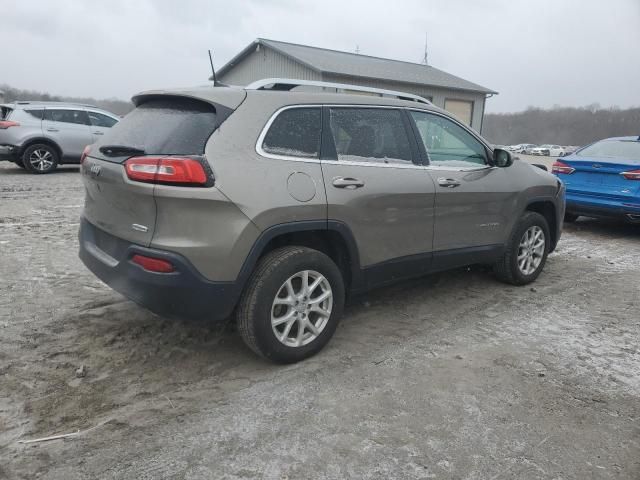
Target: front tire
(40, 158)
(526, 252)
(292, 304)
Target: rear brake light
(153, 264)
(170, 170)
(85, 153)
(4, 124)
(561, 167)
(631, 175)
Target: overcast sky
(534, 52)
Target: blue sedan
(603, 179)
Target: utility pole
(425, 59)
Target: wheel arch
(547, 209)
(44, 140)
(332, 238)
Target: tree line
(114, 105)
(558, 126)
(561, 125)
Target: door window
(447, 143)
(79, 117)
(100, 120)
(373, 135)
(295, 133)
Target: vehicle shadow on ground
(60, 170)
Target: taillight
(169, 170)
(153, 264)
(4, 124)
(561, 167)
(631, 175)
(85, 153)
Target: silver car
(39, 136)
(272, 205)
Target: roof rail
(50, 102)
(287, 84)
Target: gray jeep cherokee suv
(39, 136)
(274, 204)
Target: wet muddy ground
(450, 376)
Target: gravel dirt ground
(450, 376)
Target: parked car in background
(274, 205)
(528, 149)
(548, 150)
(568, 150)
(39, 136)
(521, 148)
(603, 179)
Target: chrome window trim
(265, 129)
(260, 151)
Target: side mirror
(502, 158)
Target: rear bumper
(589, 205)
(8, 152)
(184, 293)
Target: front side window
(295, 133)
(447, 143)
(79, 117)
(100, 120)
(373, 135)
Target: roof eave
(484, 90)
(249, 49)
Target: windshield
(627, 149)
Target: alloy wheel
(531, 250)
(301, 308)
(41, 159)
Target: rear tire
(570, 217)
(526, 252)
(40, 158)
(281, 320)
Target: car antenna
(213, 71)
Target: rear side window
(370, 134)
(5, 112)
(295, 133)
(168, 126)
(100, 120)
(78, 117)
(36, 113)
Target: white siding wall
(437, 95)
(267, 63)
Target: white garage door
(462, 109)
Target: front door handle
(448, 182)
(98, 133)
(52, 129)
(347, 182)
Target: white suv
(39, 136)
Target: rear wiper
(119, 150)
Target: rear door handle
(347, 182)
(448, 182)
(52, 130)
(98, 133)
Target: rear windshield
(626, 149)
(166, 127)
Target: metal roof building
(269, 58)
